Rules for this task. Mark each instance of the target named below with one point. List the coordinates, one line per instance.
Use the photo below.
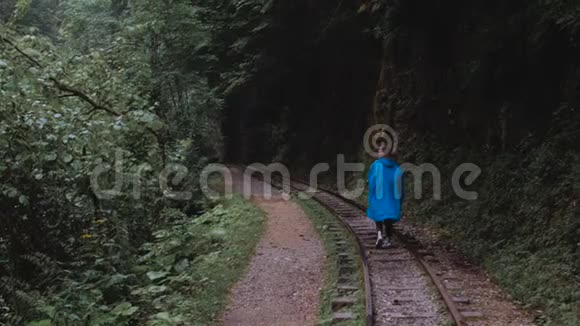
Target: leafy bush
(522, 226)
(181, 277)
(89, 84)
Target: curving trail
(282, 283)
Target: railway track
(401, 287)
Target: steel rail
(454, 312)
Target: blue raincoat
(386, 190)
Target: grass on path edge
(321, 220)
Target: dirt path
(282, 284)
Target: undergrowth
(181, 277)
(523, 227)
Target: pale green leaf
(44, 322)
(157, 288)
(155, 275)
(23, 200)
(67, 158)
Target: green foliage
(21, 8)
(83, 82)
(522, 226)
(180, 277)
(240, 30)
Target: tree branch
(31, 59)
(66, 95)
(75, 92)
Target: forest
(150, 92)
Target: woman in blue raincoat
(385, 179)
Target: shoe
(387, 243)
(380, 243)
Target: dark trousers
(386, 227)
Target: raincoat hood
(387, 162)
